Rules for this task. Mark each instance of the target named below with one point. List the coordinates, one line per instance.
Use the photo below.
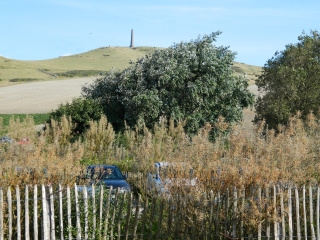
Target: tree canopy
(191, 81)
(290, 82)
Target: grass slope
(85, 64)
(92, 63)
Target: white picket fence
(252, 213)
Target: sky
(255, 29)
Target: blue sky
(255, 29)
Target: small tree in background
(290, 81)
(81, 111)
(190, 81)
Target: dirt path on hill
(40, 97)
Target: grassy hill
(85, 64)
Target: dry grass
(240, 159)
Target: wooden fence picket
(78, 226)
(60, 212)
(108, 207)
(69, 212)
(18, 213)
(136, 216)
(94, 212)
(235, 210)
(1, 215)
(9, 197)
(283, 213)
(304, 213)
(283, 223)
(297, 213)
(317, 214)
(275, 224)
(51, 213)
(45, 218)
(120, 215)
(100, 208)
(26, 214)
(86, 214)
(35, 212)
(128, 215)
(311, 213)
(290, 214)
(260, 209)
(144, 217)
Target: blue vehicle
(106, 176)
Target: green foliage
(81, 111)
(39, 118)
(290, 81)
(190, 81)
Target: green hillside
(86, 64)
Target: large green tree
(290, 82)
(190, 81)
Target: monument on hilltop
(131, 42)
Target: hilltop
(91, 63)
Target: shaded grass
(39, 118)
(23, 79)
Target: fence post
(45, 216)
(100, 209)
(297, 214)
(235, 210)
(283, 223)
(267, 222)
(1, 215)
(135, 225)
(26, 214)
(18, 213)
(318, 198)
(120, 215)
(290, 213)
(78, 226)
(304, 212)
(160, 219)
(226, 225)
(51, 212)
(35, 212)
(260, 209)
(94, 210)
(105, 230)
(114, 213)
(275, 225)
(60, 213)
(144, 217)
(69, 212)
(311, 213)
(9, 196)
(85, 200)
(128, 215)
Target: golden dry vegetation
(243, 158)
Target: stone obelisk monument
(131, 42)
